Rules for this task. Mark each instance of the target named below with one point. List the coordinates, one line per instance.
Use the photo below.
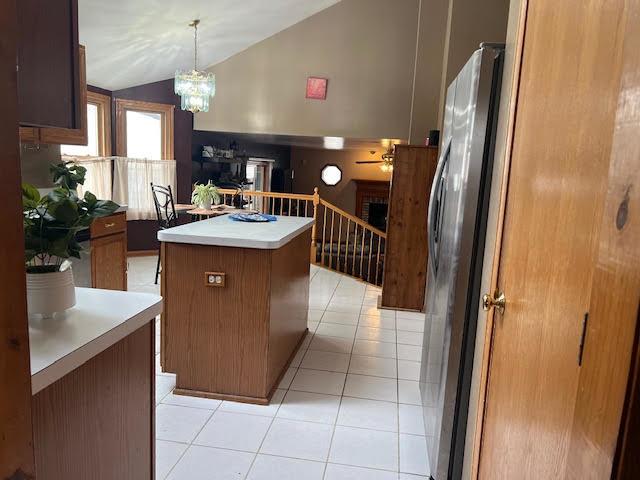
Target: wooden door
(604, 420)
(16, 441)
(566, 104)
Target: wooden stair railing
(339, 241)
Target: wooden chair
(165, 212)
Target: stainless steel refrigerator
(457, 224)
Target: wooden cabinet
(405, 262)
(98, 421)
(49, 73)
(52, 84)
(60, 135)
(109, 252)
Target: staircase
(339, 241)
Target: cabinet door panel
(49, 71)
(109, 262)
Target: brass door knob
(498, 301)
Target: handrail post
(313, 250)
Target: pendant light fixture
(195, 87)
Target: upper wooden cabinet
(52, 86)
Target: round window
(331, 175)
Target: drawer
(109, 225)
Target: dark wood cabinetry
(405, 263)
(52, 87)
(48, 64)
(109, 252)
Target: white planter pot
(206, 205)
(49, 293)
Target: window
(331, 175)
(144, 130)
(98, 129)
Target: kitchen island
(92, 381)
(236, 303)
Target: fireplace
(372, 202)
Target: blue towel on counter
(253, 217)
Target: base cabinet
(109, 252)
(98, 421)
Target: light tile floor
(348, 408)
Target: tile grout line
(191, 442)
(333, 433)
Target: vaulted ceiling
(133, 42)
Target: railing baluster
(378, 259)
(331, 241)
(324, 232)
(370, 255)
(362, 253)
(346, 247)
(353, 255)
(339, 238)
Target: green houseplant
(205, 195)
(50, 226)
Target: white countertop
(224, 232)
(122, 208)
(99, 319)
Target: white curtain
(132, 178)
(98, 179)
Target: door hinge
(583, 337)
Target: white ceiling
(132, 42)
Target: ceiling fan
(386, 161)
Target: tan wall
(428, 71)
(470, 22)
(365, 47)
(308, 162)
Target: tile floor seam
(265, 436)
(190, 444)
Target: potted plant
(50, 226)
(205, 195)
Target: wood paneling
(49, 73)
(97, 421)
(406, 251)
(16, 443)
(615, 297)
(553, 209)
(289, 303)
(79, 134)
(109, 262)
(233, 342)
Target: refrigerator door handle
(432, 217)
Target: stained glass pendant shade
(195, 87)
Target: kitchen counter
(92, 376)
(236, 305)
(224, 232)
(99, 319)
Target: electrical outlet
(215, 279)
